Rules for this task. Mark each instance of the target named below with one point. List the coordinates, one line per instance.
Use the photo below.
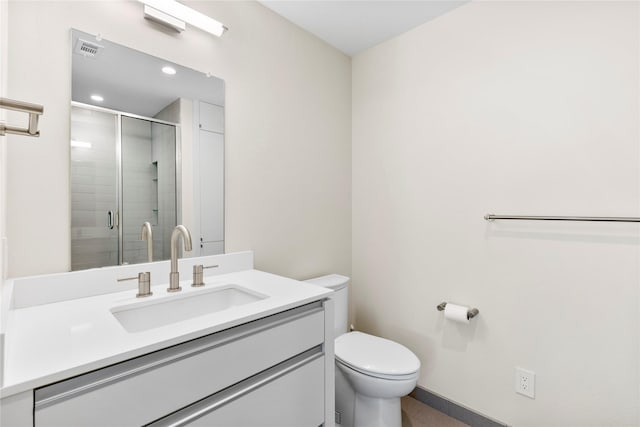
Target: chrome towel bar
(33, 110)
(491, 217)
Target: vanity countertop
(50, 342)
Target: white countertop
(51, 342)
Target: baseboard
(454, 410)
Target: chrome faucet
(147, 234)
(174, 276)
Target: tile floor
(417, 414)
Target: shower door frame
(119, 196)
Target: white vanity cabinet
(286, 395)
(271, 371)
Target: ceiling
(132, 81)
(353, 26)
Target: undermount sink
(142, 316)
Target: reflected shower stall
(123, 174)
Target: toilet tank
(339, 285)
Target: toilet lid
(375, 356)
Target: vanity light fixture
(175, 15)
(168, 70)
(97, 98)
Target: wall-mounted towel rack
(491, 217)
(33, 110)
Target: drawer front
(146, 388)
(290, 394)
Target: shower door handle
(110, 220)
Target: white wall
(4, 41)
(288, 120)
(505, 107)
(3, 181)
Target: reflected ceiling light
(169, 70)
(175, 15)
(80, 144)
(97, 98)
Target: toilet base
(359, 410)
(374, 412)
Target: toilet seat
(412, 376)
(376, 357)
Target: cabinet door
(290, 394)
(211, 187)
(211, 117)
(211, 248)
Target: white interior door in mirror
(211, 168)
(211, 117)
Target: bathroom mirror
(147, 145)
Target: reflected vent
(86, 48)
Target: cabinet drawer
(149, 387)
(288, 395)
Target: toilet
(372, 373)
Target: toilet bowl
(379, 372)
(372, 373)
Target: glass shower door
(94, 203)
(123, 174)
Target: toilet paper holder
(471, 313)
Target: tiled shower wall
(149, 189)
(163, 149)
(93, 189)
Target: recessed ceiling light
(97, 98)
(169, 70)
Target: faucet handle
(198, 276)
(144, 285)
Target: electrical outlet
(525, 383)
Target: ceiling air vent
(86, 48)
